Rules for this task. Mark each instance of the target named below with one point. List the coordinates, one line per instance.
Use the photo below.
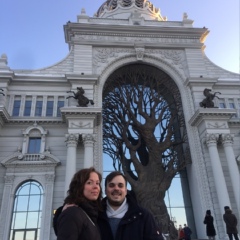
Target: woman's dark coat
(73, 224)
(210, 229)
(231, 221)
(137, 224)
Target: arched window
(27, 212)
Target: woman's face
(92, 187)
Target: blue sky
(31, 31)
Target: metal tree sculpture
(144, 134)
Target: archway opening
(144, 134)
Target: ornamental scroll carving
(104, 56)
(140, 53)
(216, 125)
(82, 124)
(175, 57)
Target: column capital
(227, 138)
(88, 138)
(212, 138)
(72, 139)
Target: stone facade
(73, 139)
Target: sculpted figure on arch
(79, 95)
(208, 101)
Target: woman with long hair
(80, 222)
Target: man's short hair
(112, 175)
(226, 207)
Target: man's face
(116, 191)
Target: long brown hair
(76, 187)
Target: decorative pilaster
(227, 140)
(220, 183)
(47, 205)
(72, 141)
(6, 210)
(88, 141)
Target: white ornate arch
(179, 76)
(174, 71)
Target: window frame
(38, 109)
(16, 108)
(28, 192)
(34, 145)
(27, 108)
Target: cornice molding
(131, 29)
(79, 112)
(4, 115)
(82, 79)
(78, 29)
(211, 114)
(200, 81)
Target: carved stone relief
(217, 125)
(105, 56)
(81, 124)
(140, 53)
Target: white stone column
(232, 165)
(72, 141)
(220, 183)
(88, 141)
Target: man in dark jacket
(122, 218)
(231, 223)
(187, 232)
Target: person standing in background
(231, 223)
(210, 229)
(187, 232)
(181, 233)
